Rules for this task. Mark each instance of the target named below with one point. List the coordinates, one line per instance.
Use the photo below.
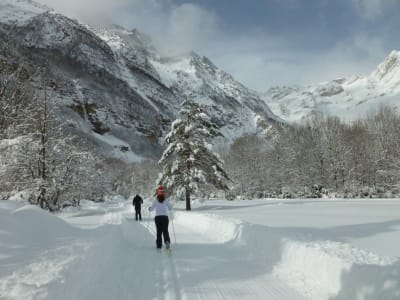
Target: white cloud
(87, 9)
(256, 59)
(174, 28)
(263, 61)
(190, 26)
(370, 9)
(358, 55)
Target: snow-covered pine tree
(188, 160)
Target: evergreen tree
(188, 160)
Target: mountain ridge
(117, 91)
(349, 98)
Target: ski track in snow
(206, 249)
(114, 257)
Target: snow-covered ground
(258, 249)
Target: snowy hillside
(112, 81)
(231, 105)
(349, 98)
(259, 249)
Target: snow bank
(35, 248)
(29, 224)
(214, 227)
(311, 270)
(317, 268)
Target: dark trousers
(138, 214)
(162, 230)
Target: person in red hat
(162, 207)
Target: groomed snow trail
(205, 263)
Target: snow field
(101, 252)
(322, 261)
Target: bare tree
(14, 101)
(384, 126)
(247, 165)
(46, 159)
(15, 105)
(361, 158)
(127, 179)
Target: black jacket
(137, 202)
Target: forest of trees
(324, 157)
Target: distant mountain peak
(390, 64)
(349, 98)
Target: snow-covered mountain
(19, 11)
(114, 87)
(348, 98)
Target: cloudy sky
(262, 43)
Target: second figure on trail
(161, 206)
(137, 203)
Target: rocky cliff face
(116, 90)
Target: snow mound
(214, 227)
(315, 268)
(36, 247)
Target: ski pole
(173, 227)
(148, 221)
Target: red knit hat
(160, 191)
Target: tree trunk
(188, 207)
(41, 199)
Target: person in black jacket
(137, 203)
